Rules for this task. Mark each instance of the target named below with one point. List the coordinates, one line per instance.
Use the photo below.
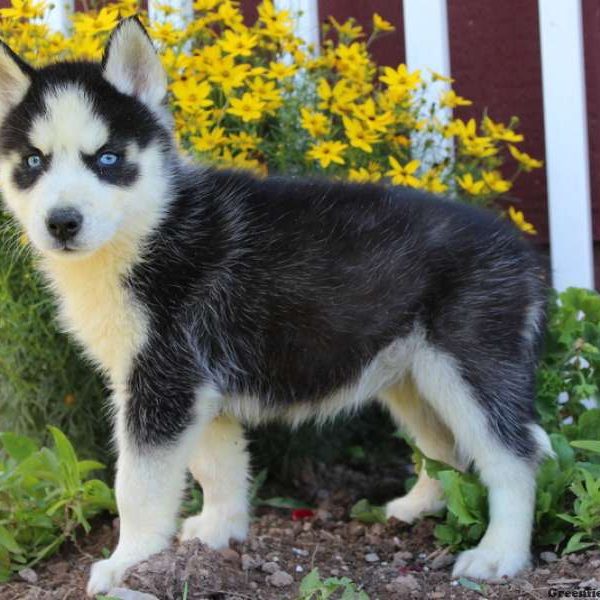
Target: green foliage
(45, 497)
(365, 512)
(313, 587)
(571, 359)
(43, 378)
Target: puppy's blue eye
(34, 161)
(108, 159)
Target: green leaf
(589, 445)
(85, 466)
(365, 512)
(280, 502)
(18, 447)
(447, 534)
(451, 482)
(310, 582)
(575, 544)
(67, 457)
(8, 541)
(564, 453)
(471, 585)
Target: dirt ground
(387, 561)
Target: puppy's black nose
(64, 223)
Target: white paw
(214, 529)
(106, 574)
(490, 563)
(409, 509)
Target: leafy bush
(45, 497)
(43, 378)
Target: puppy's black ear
(15, 79)
(131, 64)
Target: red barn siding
(249, 10)
(591, 38)
(389, 49)
(495, 58)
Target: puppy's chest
(101, 313)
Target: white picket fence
(565, 115)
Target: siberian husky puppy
(212, 298)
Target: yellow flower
(327, 152)
(367, 112)
(527, 162)
(380, 24)
(363, 175)
(358, 135)
(248, 108)
(498, 131)
(191, 95)
(349, 29)
(267, 91)
(278, 70)
(403, 174)
(435, 76)
(431, 182)
(480, 147)
(229, 13)
(90, 24)
(238, 44)
(208, 139)
(167, 33)
(23, 9)
(205, 5)
(401, 77)
(475, 188)
(278, 23)
(450, 99)
(244, 141)
(317, 124)
(227, 74)
(495, 182)
(518, 219)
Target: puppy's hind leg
(220, 465)
(432, 438)
(492, 424)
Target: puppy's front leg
(149, 484)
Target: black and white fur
(212, 298)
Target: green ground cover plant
(46, 498)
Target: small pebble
(248, 563)
(593, 584)
(299, 569)
(372, 557)
(549, 557)
(280, 579)
(270, 567)
(576, 559)
(404, 584)
(441, 561)
(230, 555)
(300, 552)
(28, 575)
